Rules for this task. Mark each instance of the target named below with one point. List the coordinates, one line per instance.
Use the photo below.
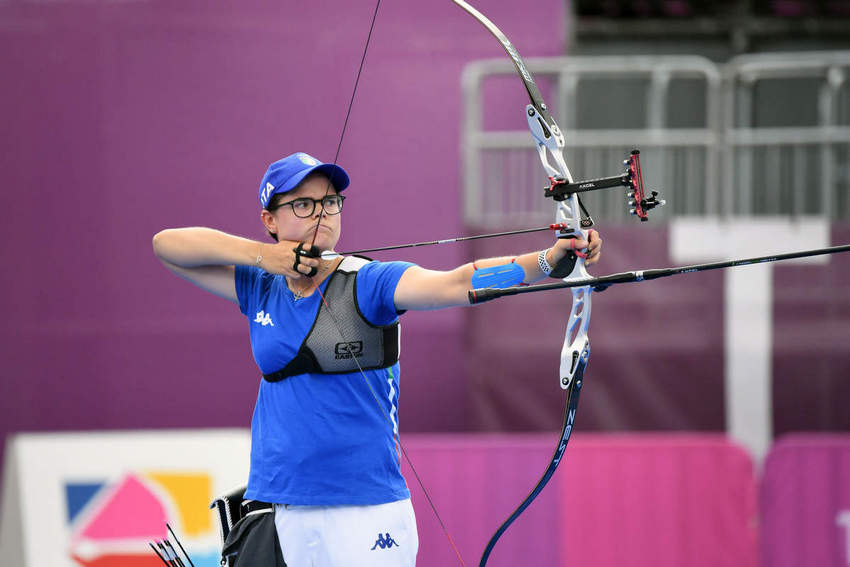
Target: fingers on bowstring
(306, 267)
(306, 259)
(307, 270)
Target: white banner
(98, 499)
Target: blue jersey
(321, 439)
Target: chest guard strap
(366, 346)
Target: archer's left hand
(591, 251)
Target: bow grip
(565, 267)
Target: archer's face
(288, 226)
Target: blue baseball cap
(285, 174)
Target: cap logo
(308, 160)
(267, 191)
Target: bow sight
(560, 189)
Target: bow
(576, 350)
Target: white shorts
(383, 535)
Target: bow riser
(576, 344)
(568, 213)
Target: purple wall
(120, 119)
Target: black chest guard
(343, 341)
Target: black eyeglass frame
(313, 209)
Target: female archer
(324, 334)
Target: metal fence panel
(714, 152)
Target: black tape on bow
(312, 252)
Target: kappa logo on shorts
(385, 541)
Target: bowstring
(348, 113)
(397, 434)
(333, 316)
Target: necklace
(302, 293)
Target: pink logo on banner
(112, 523)
(147, 520)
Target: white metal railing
(787, 170)
(723, 166)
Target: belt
(250, 506)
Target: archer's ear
(268, 221)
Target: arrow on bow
(330, 254)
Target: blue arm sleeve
(502, 276)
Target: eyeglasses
(304, 207)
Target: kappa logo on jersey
(384, 542)
(264, 319)
(345, 351)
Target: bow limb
(573, 391)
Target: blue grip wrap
(499, 277)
